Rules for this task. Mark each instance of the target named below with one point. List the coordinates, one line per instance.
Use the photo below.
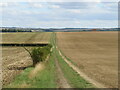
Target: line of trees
(15, 30)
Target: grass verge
(73, 77)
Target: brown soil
(95, 53)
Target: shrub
(39, 54)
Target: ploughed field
(95, 53)
(16, 59)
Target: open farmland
(95, 53)
(26, 37)
(16, 59)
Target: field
(16, 59)
(26, 37)
(53, 73)
(95, 53)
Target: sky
(59, 14)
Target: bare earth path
(61, 80)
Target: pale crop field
(95, 53)
(26, 37)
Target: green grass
(44, 78)
(73, 77)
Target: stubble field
(95, 53)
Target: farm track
(79, 82)
(61, 80)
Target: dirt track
(61, 80)
(95, 53)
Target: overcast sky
(59, 14)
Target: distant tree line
(15, 30)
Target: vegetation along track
(73, 79)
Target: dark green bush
(39, 54)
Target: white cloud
(37, 5)
(23, 15)
(3, 4)
(54, 6)
(60, 0)
(75, 10)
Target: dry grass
(39, 67)
(96, 54)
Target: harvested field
(95, 53)
(14, 60)
(26, 37)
